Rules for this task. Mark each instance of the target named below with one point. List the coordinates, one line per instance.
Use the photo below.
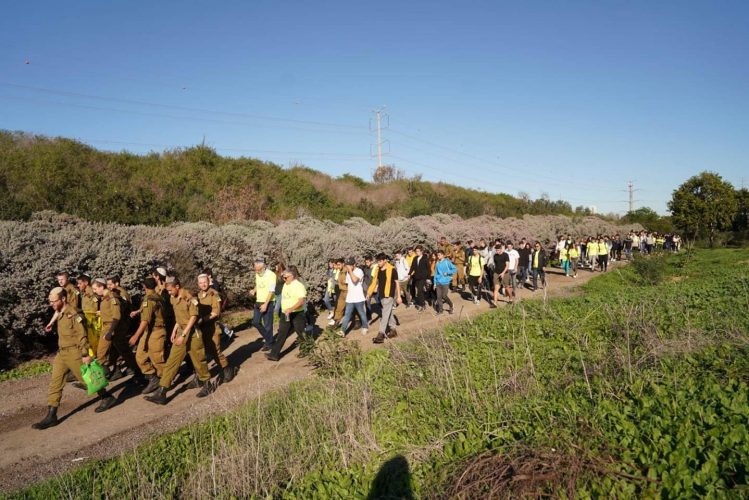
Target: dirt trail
(28, 455)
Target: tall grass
(629, 389)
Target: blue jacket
(443, 272)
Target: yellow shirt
(475, 265)
(603, 249)
(291, 293)
(592, 248)
(265, 284)
(563, 254)
(573, 253)
(410, 259)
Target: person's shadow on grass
(393, 481)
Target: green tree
(649, 219)
(704, 205)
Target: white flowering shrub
(32, 252)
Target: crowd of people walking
(174, 329)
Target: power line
(173, 117)
(179, 108)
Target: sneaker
(331, 314)
(492, 305)
(476, 301)
(270, 357)
(340, 333)
(230, 333)
(331, 322)
(364, 331)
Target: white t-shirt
(402, 267)
(355, 290)
(514, 258)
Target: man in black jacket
(420, 273)
(538, 261)
(522, 273)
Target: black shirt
(501, 261)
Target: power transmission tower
(631, 190)
(381, 120)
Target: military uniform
(110, 312)
(90, 308)
(210, 303)
(72, 295)
(150, 352)
(185, 307)
(459, 259)
(73, 345)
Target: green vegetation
(25, 370)
(628, 390)
(705, 205)
(196, 184)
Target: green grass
(25, 370)
(628, 390)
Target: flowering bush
(32, 252)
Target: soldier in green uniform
(184, 340)
(90, 308)
(72, 296)
(458, 258)
(72, 353)
(113, 283)
(150, 336)
(209, 310)
(113, 337)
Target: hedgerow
(32, 252)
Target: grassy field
(638, 387)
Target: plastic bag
(94, 375)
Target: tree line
(197, 184)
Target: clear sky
(572, 99)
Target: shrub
(650, 270)
(31, 253)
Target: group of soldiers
(97, 316)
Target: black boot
(194, 383)
(115, 374)
(153, 384)
(228, 374)
(158, 397)
(107, 401)
(206, 389)
(49, 421)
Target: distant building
(593, 209)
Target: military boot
(153, 384)
(206, 389)
(194, 383)
(115, 374)
(158, 397)
(228, 374)
(107, 401)
(49, 421)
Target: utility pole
(631, 190)
(381, 120)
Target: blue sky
(572, 99)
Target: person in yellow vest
(209, 311)
(90, 309)
(73, 352)
(341, 292)
(265, 302)
(475, 266)
(592, 251)
(150, 337)
(603, 255)
(459, 259)
(385, 284)
(113, 332)
(573, 254)
(564, 258)
(185, 340)
(293, 298)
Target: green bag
(94, 376)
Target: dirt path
(28, 455)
